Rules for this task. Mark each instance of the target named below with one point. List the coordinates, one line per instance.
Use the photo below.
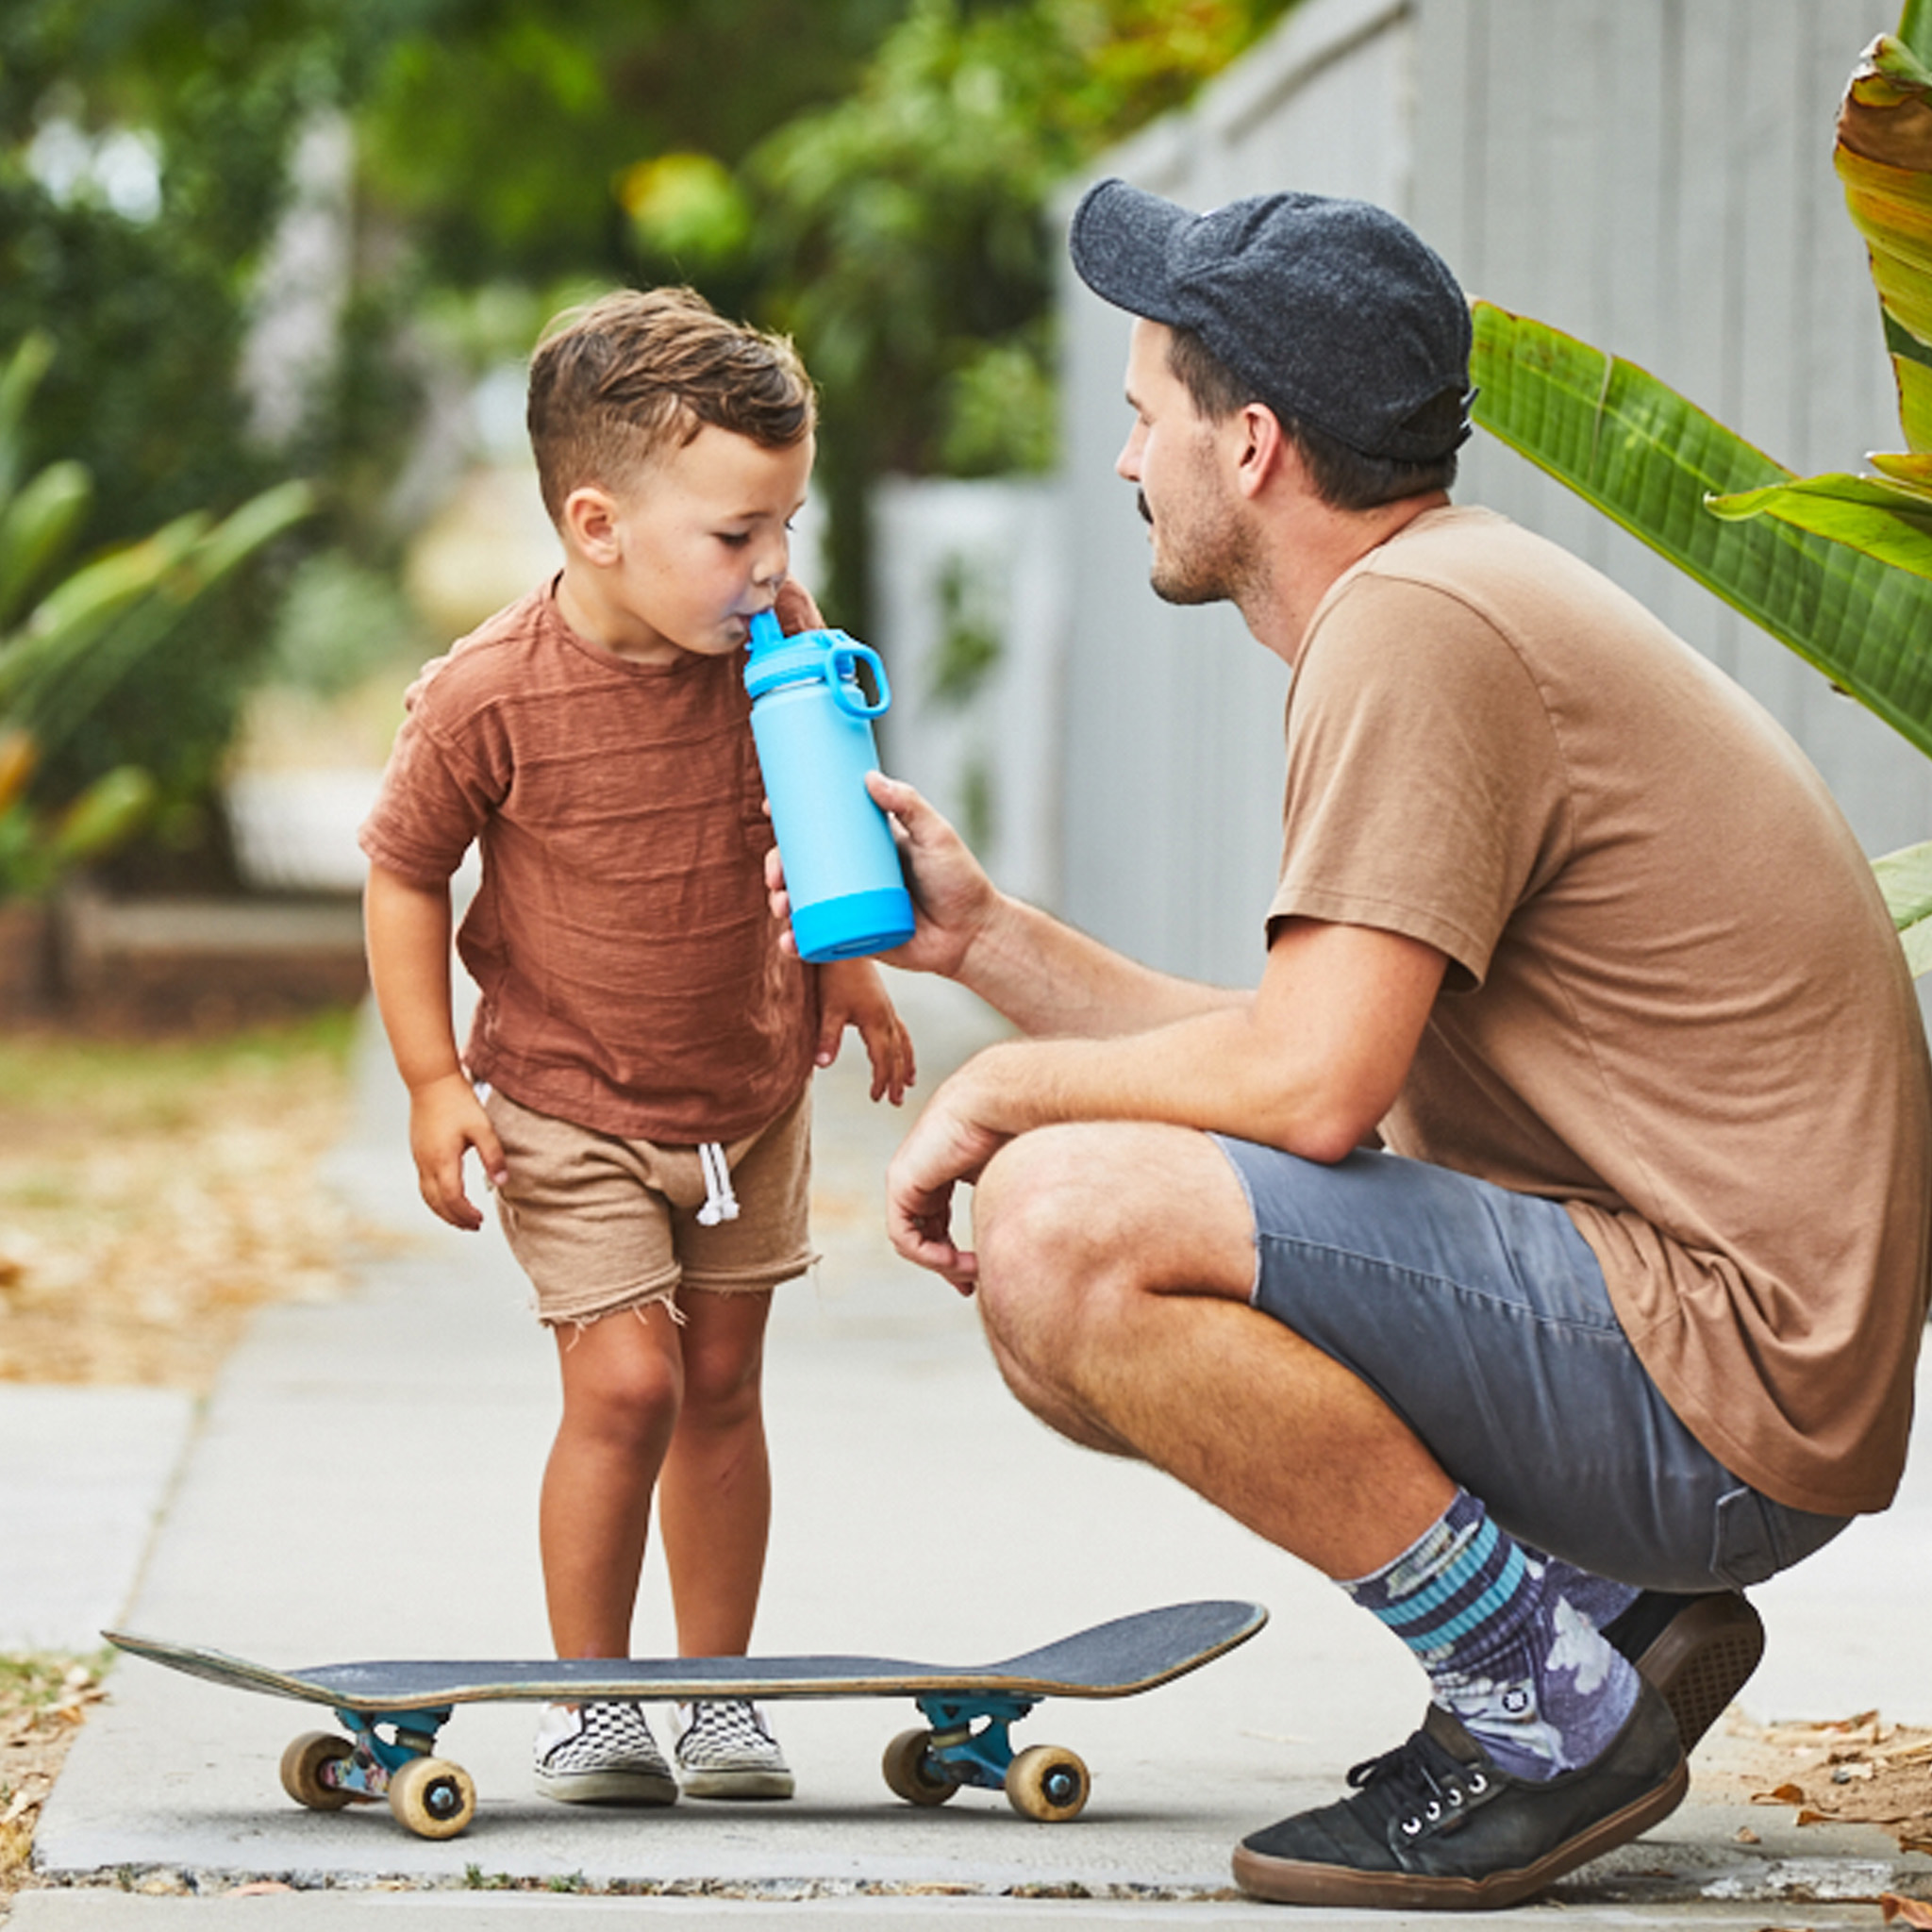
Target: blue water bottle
(812, 724)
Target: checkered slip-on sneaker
(726, 1750)
(601, 1754)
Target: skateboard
(390, 1712)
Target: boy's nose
(774, 561)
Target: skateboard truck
(1045, 1781)
(432, 1797)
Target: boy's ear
(590, 523)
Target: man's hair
(1343, 477)
(638, 372)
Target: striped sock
(1531, 1676)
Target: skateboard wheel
(302, 1767)
(1047, 1783)
(432, 1797)
(912, 1774)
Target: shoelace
(1418, 1783)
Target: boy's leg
(715, 1492)
(623, 1383)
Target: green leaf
(1868, 513)
(104, 815)
(1884, 140)
(1906, 879)
(36, 528)
(1648, 459)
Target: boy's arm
(852, 992)
(408, 935)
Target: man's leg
(1115, 1266)
(1116, 1263)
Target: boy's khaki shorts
(601, 1224)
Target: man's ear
(590, 524)
(1261, 448)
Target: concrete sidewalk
(363, 1483)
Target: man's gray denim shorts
(1480, 1316)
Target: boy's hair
(639, 371)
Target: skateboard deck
(391, 1712)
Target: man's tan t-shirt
(628, 964)
(1674, 1000)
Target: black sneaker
(1699, 1651)
(1434, 1825)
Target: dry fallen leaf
(1909, 1911)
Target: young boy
(642, 1047)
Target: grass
(44, 1701)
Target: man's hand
(796, 608)
(446, 1120)
(954, 901)
(951, 1141)
(852, 992)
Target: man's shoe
(601, 1754)
(1699, 1651)
(1434, 1825)
(726, 1750)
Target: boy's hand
(852, 992)
(446, 1120)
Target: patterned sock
(1527, 1673)
(1596, 1598)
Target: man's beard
(1212, 562)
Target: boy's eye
(734, 539)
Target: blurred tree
(502, 132)
(868, 174)
(900, 232)
(141, 172)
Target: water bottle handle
(842, 674)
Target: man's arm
(1044, 976)
(408, 935)
(1310, 1065)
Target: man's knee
(1068, 1219)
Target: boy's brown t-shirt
(1675, 1001)
(628, 964)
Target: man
(1541, 1248)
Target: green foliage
(64, 649)
(902, 232)
(140, 171)
(502, 132)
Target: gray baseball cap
(1335, 311)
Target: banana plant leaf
(1649, 459)
(1884, 157)
(1884, 519)
(1906, 879)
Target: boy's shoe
(726, 1750)
(601, 1754)
(1435, 1824)
(1699, 1651)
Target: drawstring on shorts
(721, 1203)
